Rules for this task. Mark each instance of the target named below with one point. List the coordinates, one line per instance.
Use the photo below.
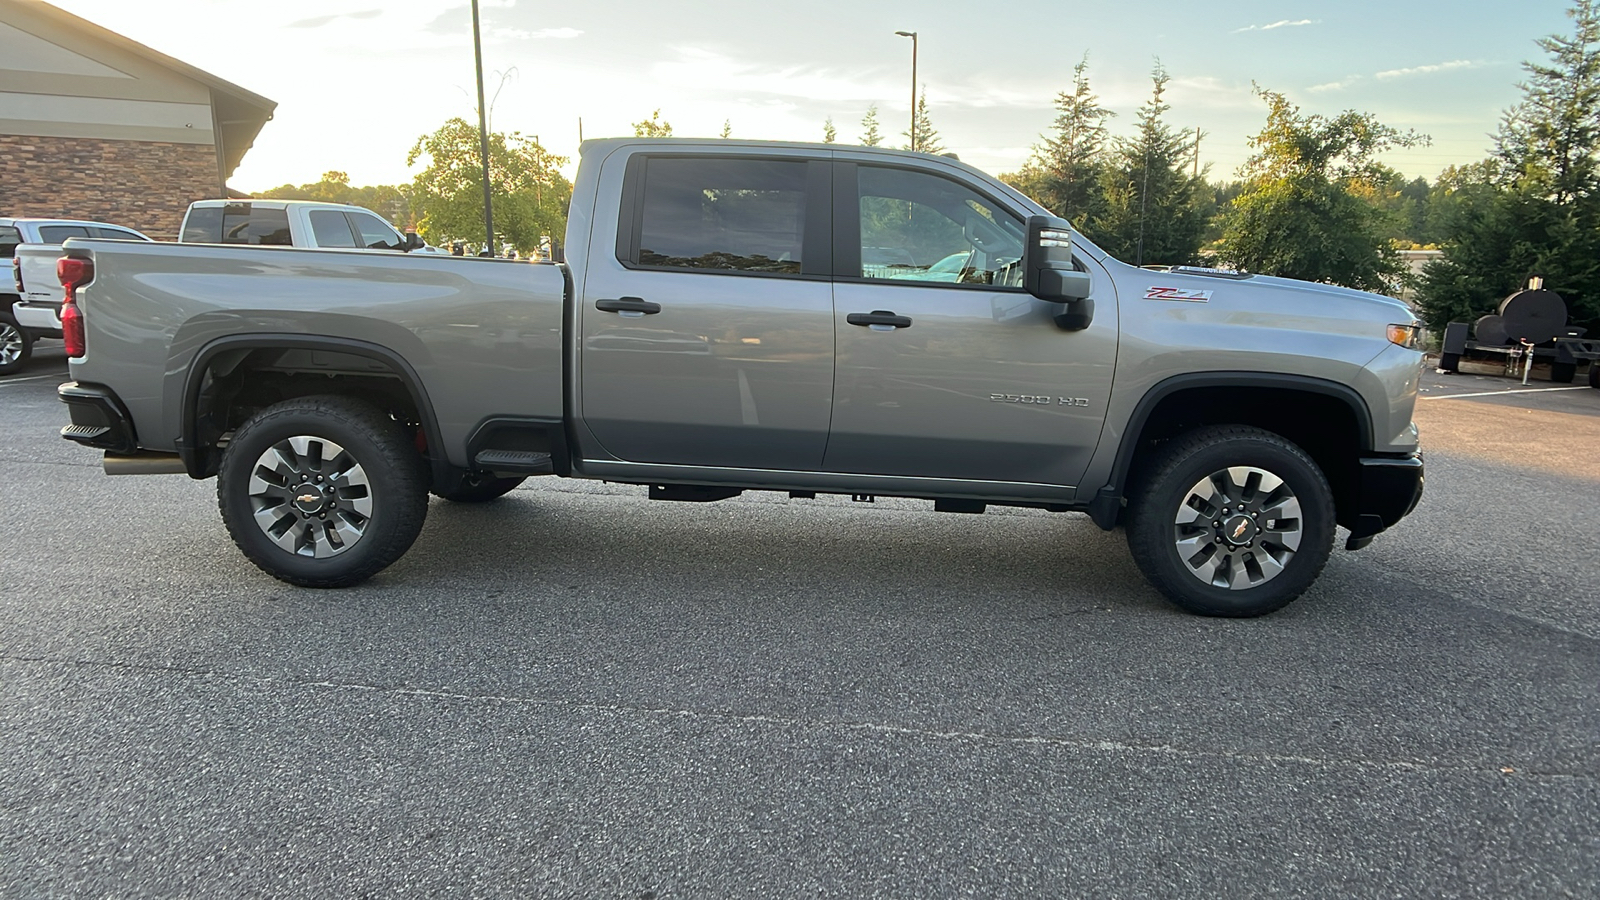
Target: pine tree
(1532, 208)
(1553, 134)
(871, 137)
(1063, 173)
(926, 139)
(1152, 211)
(829, 133)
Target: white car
(34, 311)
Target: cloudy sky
(357, 81)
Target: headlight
(1405, 335)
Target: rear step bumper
(99, 419)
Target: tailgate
(36, 270)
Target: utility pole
(1197, 136)
(913, 36)
(483, 137)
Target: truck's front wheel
(1231, 521)
(322, 491)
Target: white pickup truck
(294, 223)
(34, 310)
(35, 245)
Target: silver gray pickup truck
(738, 316)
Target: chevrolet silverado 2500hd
(759, 316)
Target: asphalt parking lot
(579, 693)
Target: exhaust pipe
(144, 464)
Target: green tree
(653, 127)
(389, 201)
(1063, 173)
(1533, 207)
(1153, 212)
(829, 133)
(529, 194)
(871, 136)
(1303, 213)
(926, 138)
(727, 129)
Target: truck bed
(459, 323)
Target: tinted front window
(55, 234)
(920, 227)
(721, 214)
(331, 229)
(243, 223)
(375, 233)
(203, 225)
(116, 234)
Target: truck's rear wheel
(322, 491)
(16, 344)
(1231, 521)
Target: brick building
(96, 126)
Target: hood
(1270, 289)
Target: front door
(707, 339)
(946, 367)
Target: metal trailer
(1530, 326)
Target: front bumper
(1389, 490)
(99, 419)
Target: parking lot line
(1505, 392)
(27, 378)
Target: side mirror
(1049, 274)
(413, 241)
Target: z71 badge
(1172, 293)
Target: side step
(692, 493)
(516, 462)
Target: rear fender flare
(191, 455)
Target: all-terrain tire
(322, 491)
(1231, 521)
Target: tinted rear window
(9, 239)
(55, 234)
(203, 226)
(243, 223)
(740, 214)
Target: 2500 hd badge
(1038, 400)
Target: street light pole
(913, 36)
(483, 137)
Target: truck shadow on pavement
(757, 548)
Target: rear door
(706, 336)
(947, 368)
